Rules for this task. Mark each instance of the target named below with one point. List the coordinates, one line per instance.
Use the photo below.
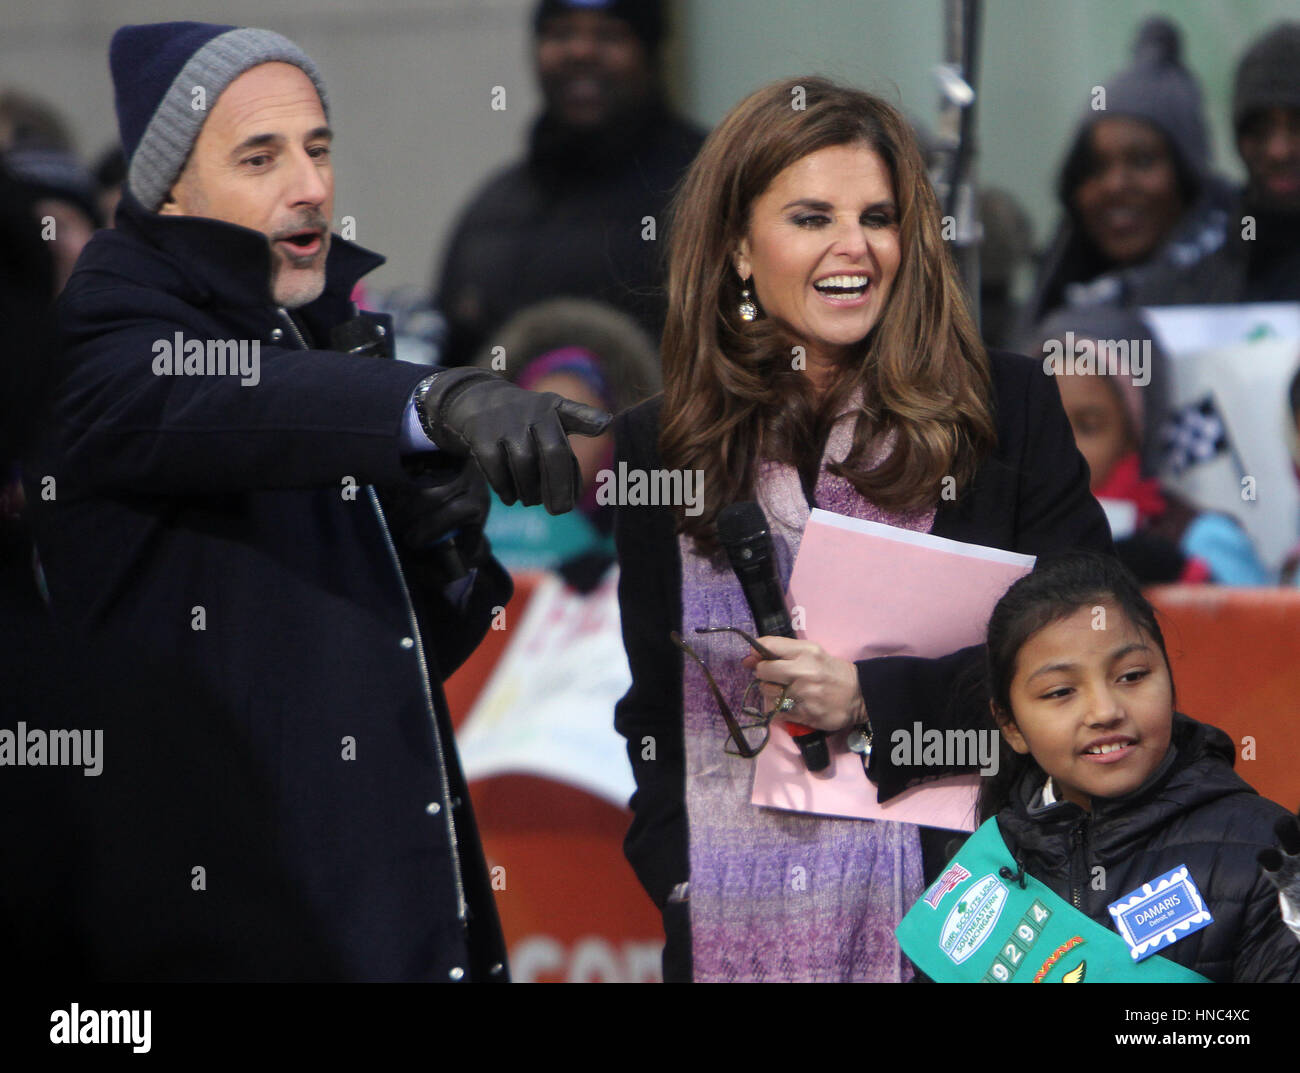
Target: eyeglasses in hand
(747, 735)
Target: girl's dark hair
(1056, 589)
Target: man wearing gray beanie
(235, 477)
(1266, 116)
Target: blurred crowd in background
(549, 280)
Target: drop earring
(748, 311)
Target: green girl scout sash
(975, 926)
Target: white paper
(548, 707)
(1183, 330)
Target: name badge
(1159, 913)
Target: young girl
(1118, 844)
(1120, 427)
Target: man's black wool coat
(229, 533)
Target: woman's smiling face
(1093, 705)
(823, 248)
(1130, 201)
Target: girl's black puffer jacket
(1194, 810)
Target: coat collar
(225, 264)
(1196, 769)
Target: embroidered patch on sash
(973, 919)
(946, 882)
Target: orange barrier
(571, 907)
(1235, 655)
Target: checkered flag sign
(1194, 433)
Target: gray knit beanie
(1269, 73)
(1159, 89)
(167, 77)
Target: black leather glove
(518, 437)
(441, 526)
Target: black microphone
(742, 529)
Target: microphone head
(740, 522)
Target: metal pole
(955, 185)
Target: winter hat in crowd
(1269, 73)
(57, 174)
(645, 17)
(1145, 405)
(157, 69)
(1158, 88)
(625, 357)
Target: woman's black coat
(1030, 495)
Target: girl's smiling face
(1092, 701)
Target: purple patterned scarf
(780, 895)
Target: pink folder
(861, 589)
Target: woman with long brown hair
(818, 352)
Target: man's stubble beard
(300, 292)
(292, 288)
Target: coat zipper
(1078, 858)
(283, 314)
(462, 907)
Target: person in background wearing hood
(26, 292)
(1159, 536)
(40, 157)
(1260, 259)
(593, 354)
(569, 218)
(49, 214)
(31, 122)
(64, 204)
(1136, 186)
